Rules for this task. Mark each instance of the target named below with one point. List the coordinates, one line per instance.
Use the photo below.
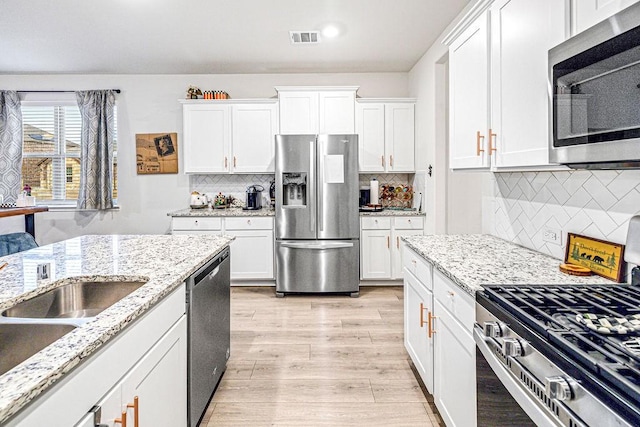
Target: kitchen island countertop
(473, 260)
(163, 261)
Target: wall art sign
(604, 258)
(156, 153)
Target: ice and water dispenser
(294, 191)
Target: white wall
(458, 193)
(149, 104)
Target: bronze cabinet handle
(391, 160)
(382, 157)
(479, 148)
(430, 330)
(225, 162)
(122, 420)
(136, 411)
(422, 308)
(492, 137)
(398, 242)
(388, 242)
(234, 161)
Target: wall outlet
(552, 235)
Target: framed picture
(156, 153)
(604, 258)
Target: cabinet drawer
(457, 301)
(408, 223)
(418, 267)
(377, 223)
(248, 223)
(199, 223)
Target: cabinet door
(522, 32)
(418, 304)
(337, 112)
(376, 254)
(370, 130)
(400, 137)
(468, 97)
(586, 13)
(298, 113)
(207, 136)
(159, 380)
(252, 254)
(110, 410)
(397, 271)
(454, 370)
(253, 143)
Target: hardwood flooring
(318, 361)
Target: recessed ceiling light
(330, 31)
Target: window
(51, 151)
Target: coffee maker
(254, 197)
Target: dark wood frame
(595, 265)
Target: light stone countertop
(393, 212)
(222, 212)
(164, 261)
(473, 260)
(271, 212)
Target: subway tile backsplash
(593, 203)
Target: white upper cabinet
(313, 110)
(522, 32)
(386, 135)
(207, 135)
(230, 136)
(468, 96)
(586, 13)
(499, 84)
(254, 129)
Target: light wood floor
(318, 361)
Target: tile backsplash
(230, 185)
(592, 203)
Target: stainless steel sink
(19, 341)
(73, 300)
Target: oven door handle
(521, 395)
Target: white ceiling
(215, 36)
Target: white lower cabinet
(418, 307)
(454, 370)
(154, 392)
(252, 251)
(438, 324)
(381, 245)
(148, 360)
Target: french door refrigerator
(317, 220)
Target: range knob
(558, 388)
(511, 347)
(492, 330)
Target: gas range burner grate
(632, 346)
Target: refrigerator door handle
(317, 246)
(312, 183)
(320, 207)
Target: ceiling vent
(304, 37)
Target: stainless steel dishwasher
(208, 320)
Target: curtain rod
(56, 91)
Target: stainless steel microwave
(595, 95)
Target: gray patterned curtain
(10, 145)
(96, 150)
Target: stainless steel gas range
(561, 355)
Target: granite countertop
(164, 261)
(393, 212)
(222, 212)
(473, 260)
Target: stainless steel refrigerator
(317, 220)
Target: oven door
(501, 400)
